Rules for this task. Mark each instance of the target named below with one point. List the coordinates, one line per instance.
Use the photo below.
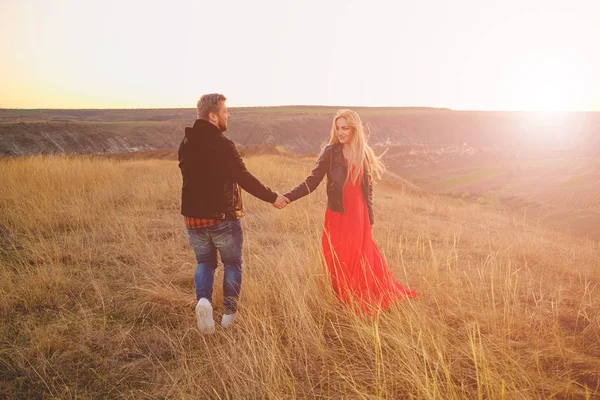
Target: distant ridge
(302, 129)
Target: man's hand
(281, 201)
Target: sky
(460, 54)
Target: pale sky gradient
(460, 54)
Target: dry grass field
(562, 192)
(97, 296)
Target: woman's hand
(281, 201)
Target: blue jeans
(227, 238)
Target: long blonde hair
(361, 153)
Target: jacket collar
(338, 154)
(202, 126)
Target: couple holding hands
(214, 174)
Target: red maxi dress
(359, 274)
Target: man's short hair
(209, 103)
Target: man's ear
(212, 117)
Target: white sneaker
(228, 319)
(204, 314)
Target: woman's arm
(314, 179)
(370, 200)
(367, 189)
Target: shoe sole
(204, 317)
(230, 323)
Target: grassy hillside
(97, 298)
(301, 129)
(558, 191)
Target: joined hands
(281, 201)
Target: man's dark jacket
(331, 163)
(213, 172)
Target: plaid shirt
(197, 223)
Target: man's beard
(222, 125)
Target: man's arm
(244, 178)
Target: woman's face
(343, 130)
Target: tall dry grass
(97, 296)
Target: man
(211, 203)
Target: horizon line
(303, 106)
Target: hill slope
(541, 165)
(300, 129)
(97, 295)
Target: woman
(359, 274)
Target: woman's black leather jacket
(331, 163)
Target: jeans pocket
(199, 241)
(221, 234)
